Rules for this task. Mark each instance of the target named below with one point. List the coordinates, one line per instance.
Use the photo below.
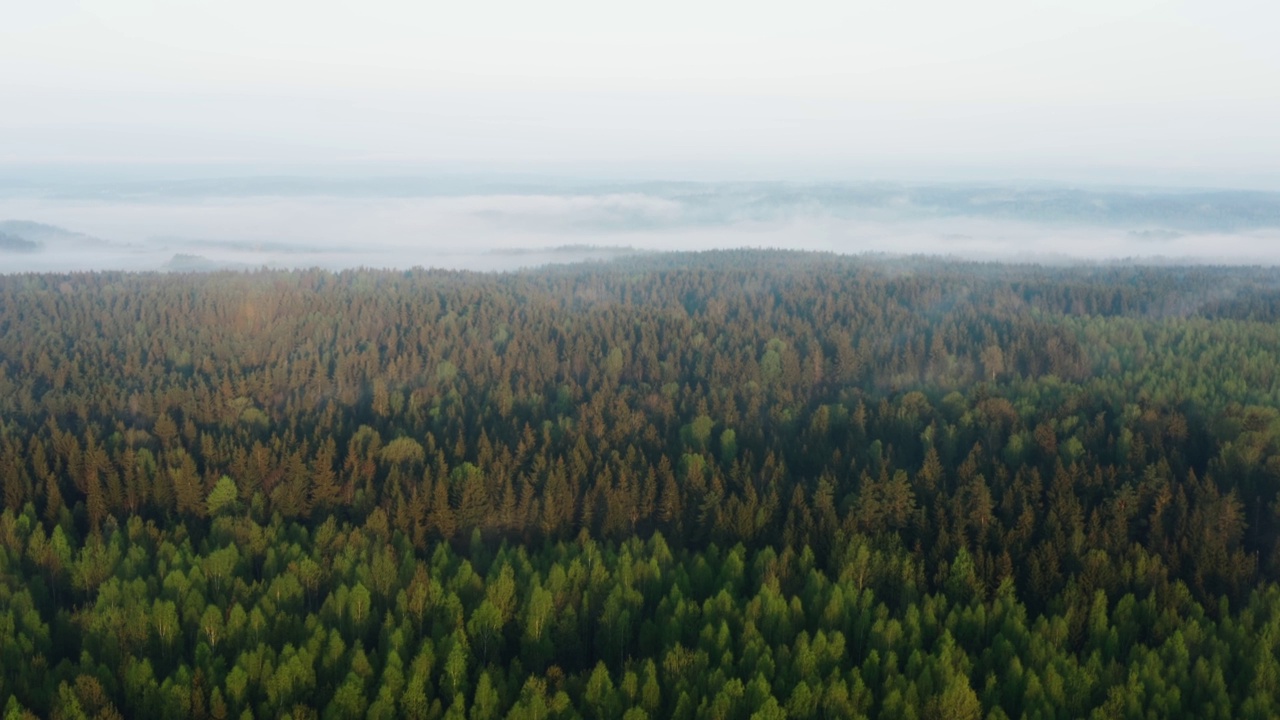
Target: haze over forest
(496, 223)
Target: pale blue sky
(1126, 90)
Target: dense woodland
(739, 484)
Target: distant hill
(15, 243)
(34, 236)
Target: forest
(735, 484)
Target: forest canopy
(738, 484)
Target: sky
(1105, 91)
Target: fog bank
(288, 224)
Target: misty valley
(493, 224)
(725, 484)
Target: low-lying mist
(288, 225)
